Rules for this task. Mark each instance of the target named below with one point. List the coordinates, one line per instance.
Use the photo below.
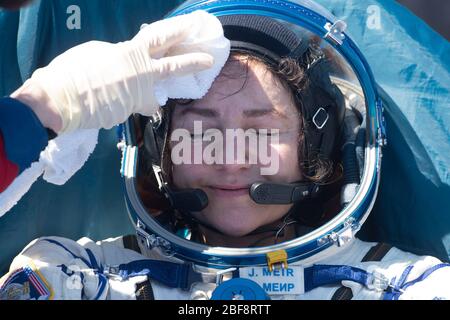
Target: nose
(233, 167)
(236, 154)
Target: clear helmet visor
(327, 138)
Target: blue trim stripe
(398, 289)
(98, 270)
(71, 253)
(404, 276)
(425, 275)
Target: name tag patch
(277, 281)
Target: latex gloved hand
(99, 84)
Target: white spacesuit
(168, 258)
(65, 269)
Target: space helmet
(343, 117)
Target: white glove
(99, 84)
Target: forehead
(245, 84)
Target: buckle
(194, 276)
(112, 272)
(221, 273)
(378, 281)
(318, 113)
(275, 258)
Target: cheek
(188, 176)
(287, 154)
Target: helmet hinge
(344, 236)
(152, 241)
(336, 31)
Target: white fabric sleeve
(55, 268)
(428, 279)
(411, 277)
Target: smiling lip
(230, 191)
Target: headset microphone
(282, 193)
(189, 199)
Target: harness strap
(175, 275)
(130, 242)
(321, 275)
(144, 291)
(376, 253)
(182, 276)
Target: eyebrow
(251, 113)
(208, 113)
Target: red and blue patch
(25, 284)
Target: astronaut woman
(228, 229)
